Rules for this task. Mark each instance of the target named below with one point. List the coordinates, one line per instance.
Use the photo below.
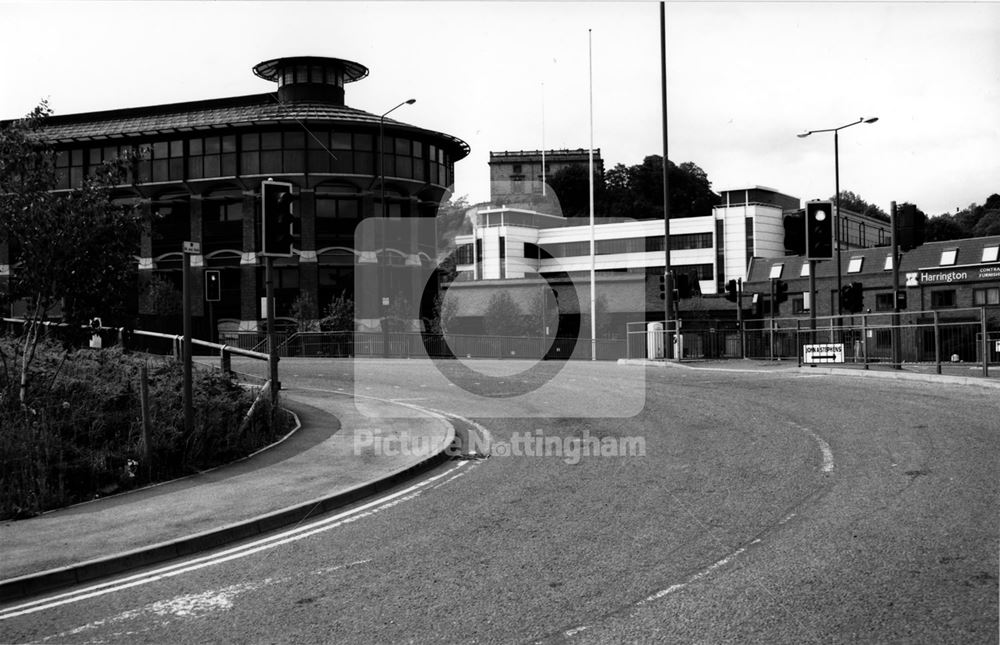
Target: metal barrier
(412, 344)
(969, 336)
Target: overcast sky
(743, 79)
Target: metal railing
(968, 336)
(415, 345)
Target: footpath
(328, 462)
(954, 373)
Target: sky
(743, 78)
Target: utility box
(654, 341)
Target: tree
(339, 314)
(637, 191)
(452, 220)
(305, 312)
(942, 228)
(543, 315)
(988, 225)
(442, 315)
(503, 316)
(853, 202)
(74, 251)
(571, 185)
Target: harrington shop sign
(979, 273)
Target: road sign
(193, 248)
(828, 353)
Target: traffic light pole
(812, 301)
(771, 308)
(896, 362)
(739, 317)
(272, 347)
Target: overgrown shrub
(80, 434)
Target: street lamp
(836, 173)
(381, 191)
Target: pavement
(953, 373)
(329, 461)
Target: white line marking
(823, 446)
(270, 542)
(701, 574)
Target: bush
(79, 436)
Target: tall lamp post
(381, 191)
(836, 210)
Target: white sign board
(828, 353)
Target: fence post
(864, 338)
(937, 342)
(798, 344)
(986, 342)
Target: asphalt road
(763, 508)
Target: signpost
(189, 248)
(823, 353)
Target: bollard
(226, 360)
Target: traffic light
(795, 234)
(278, 227)
(819, 230)
(852, 297)
(909, 227)
(683, 286)
(663, 287)
(732, 293)
(213, 285)
(780, 291)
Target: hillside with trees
(975, 220)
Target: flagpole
(593, 260)
(543, 139)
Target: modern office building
(522, 247)
(200, 173)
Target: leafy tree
(161, 298)
(543, 313)
(503, 316)
(988, 225)
(452, 220)
(305, 312)
(941, 228)
(442, 315)
(73, 250)
(637, 191)
(853, 202)
(339, 314)
(571, 185)
(975, 220)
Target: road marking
(701, 574)
(242, 551)
(824, 447)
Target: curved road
(771, 507)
